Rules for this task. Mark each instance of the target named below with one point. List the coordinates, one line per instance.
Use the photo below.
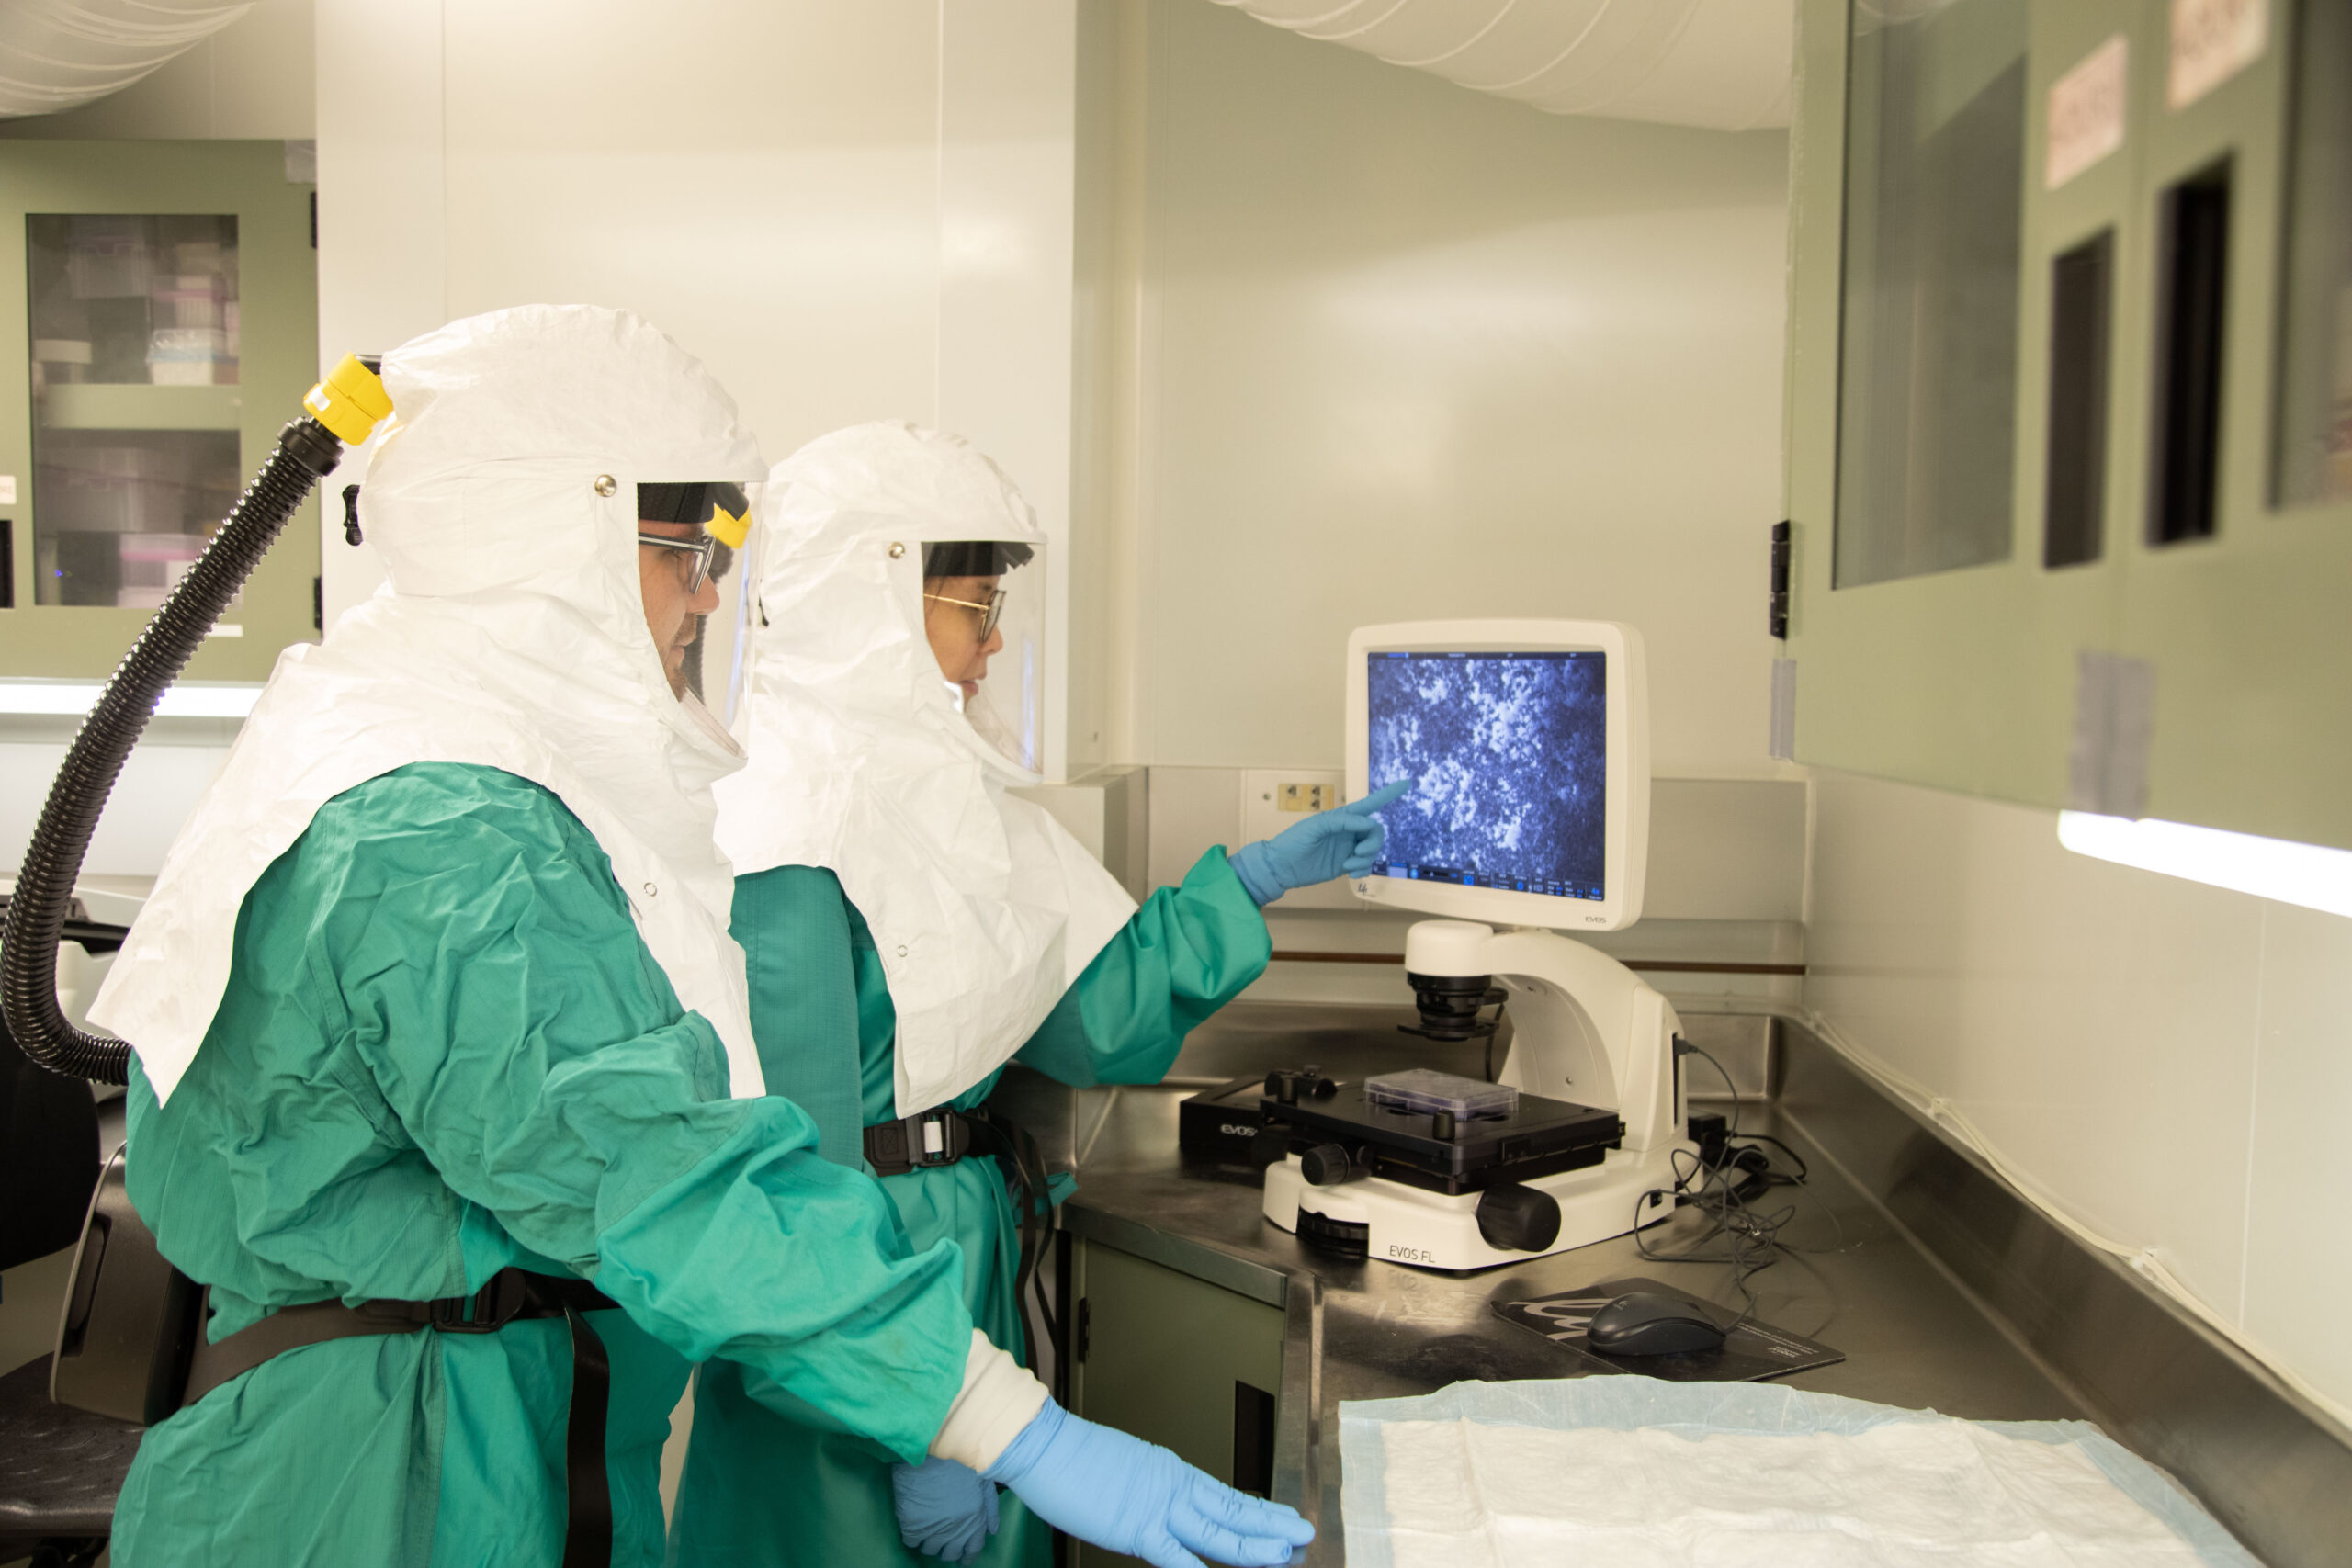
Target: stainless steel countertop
(1374, 1330)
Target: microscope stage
(1443, 1154)
(1439, 1191)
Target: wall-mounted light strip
(73, 699)
(2307, 875)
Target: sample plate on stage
(1755, 1350)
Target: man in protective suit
(436, 1017)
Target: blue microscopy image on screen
(1511, 752)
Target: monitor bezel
(1625, 826)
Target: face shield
(691, 539)
(984, 613)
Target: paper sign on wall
(2212, 40)
(2086, 112)
(7, 490)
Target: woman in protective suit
(891, 893)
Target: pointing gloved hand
(946, 1509)
(1124, 1494)
(1345, 841)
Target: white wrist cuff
(999, 1398)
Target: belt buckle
(492, 1308)
(947, 1126)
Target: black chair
(59, 1468)
(49, 1155)
(59, 1471)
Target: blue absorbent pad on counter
(1628, 1404)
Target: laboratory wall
(1356, 345)
(849, 212)
(1403, 351)
(2163, 1061)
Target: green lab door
(162, 326)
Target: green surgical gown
(759, 1489)
(443, 1050)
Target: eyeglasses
(702, 549)
(990, 613)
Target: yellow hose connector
(728, 528)
(350, 402)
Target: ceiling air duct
(61, 54)
(1721, 64)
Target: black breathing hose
(306, 452)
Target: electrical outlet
(1276, 799)
(1292, 795)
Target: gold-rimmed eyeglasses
(990, 612)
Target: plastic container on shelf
(109, 257)
(1425, 1091)
(189, 300)
(186, 356)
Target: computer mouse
(1641, 1322)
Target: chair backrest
(49, 1145)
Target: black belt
(511, 1295)
(942, 1136)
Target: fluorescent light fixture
(2308, 874)
(73, 699)
(206, 702)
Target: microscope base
(1405, 1225)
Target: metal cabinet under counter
(1202, 1279)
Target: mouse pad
(1755, 1349)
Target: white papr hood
(510, 633)
(983, 907)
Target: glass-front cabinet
(168, 329)
(2069, 464)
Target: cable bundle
(1725, 1193)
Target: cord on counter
(1723, 1193)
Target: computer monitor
(1531, 743)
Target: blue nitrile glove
(1124, 1494)
(1344, 841)
(945, 1508)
